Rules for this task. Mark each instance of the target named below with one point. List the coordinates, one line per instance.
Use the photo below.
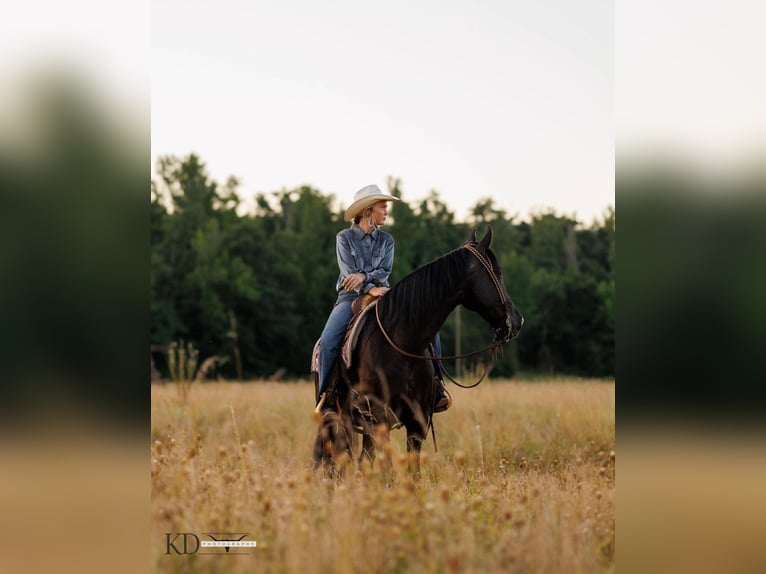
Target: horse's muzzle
(503, 334)
(512, 326)
(516, 325)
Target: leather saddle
(360, 307)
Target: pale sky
(514, 100)
(508, 99)
(690, 81)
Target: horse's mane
(413, 297)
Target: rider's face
(380, 212)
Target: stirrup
(321, 409)
(446, 401)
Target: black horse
(390, 382)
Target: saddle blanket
(349, 340)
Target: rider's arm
(378, 277)
(346, 261)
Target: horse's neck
(417, 328)
(437, 318)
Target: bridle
(497, 282)
(495, 345)
(488, 266)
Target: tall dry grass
(523, 480)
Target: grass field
(523, 481)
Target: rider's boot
(443, 398)
(326, 403)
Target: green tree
(256, 288)
(198, 287)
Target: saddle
(360, 307)
(361, 303)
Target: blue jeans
(332, 337)
(438, 349)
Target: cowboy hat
(364, 198)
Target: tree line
(253, 290)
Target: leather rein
(498, 286)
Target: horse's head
(486, 293)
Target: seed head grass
(523, 480)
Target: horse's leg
(324, 445)
(417, 425)
(342, 447)
(414, 444)
(368, 448)
(383, 447)
(366, 417)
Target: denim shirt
(371, 254)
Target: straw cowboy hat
(364, 198)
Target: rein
(491, 347)
(401, 351)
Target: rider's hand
(353, 281)
(378, 291)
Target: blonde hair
(366, 212)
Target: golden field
(523, 481)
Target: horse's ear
(472, 239)
(486, 241)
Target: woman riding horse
(365, 258)
(389, 381)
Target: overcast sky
(690, 82)
(509, 99)
(505, 99)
